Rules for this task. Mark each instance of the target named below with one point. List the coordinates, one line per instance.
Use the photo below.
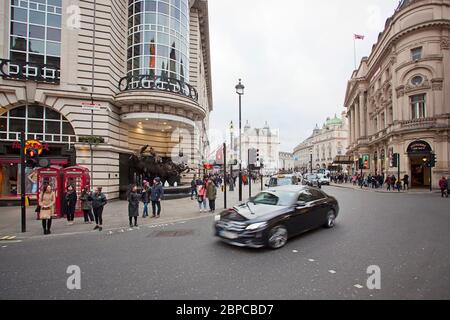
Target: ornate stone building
(286, 161)
(266, 139)
(323, 145)
(398, 99)
(142, 66)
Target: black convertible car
(274, 215)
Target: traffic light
(257, 157)
(395, 158)
(32, 157)
(432, 160)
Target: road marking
(4, 246)
(358, 286)
(311, 260)
(8, 238)
(332, 271)
(295, 251)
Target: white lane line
(358, 286)
(4, 246)
(332, 271)
(295, 251)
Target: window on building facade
(35, 31)
(40, 123)
(418, 106)
(158, 38)
(416, 53)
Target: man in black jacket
(98, 202)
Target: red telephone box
(79, 178)
(51, 176)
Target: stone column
(362, 116)
(352, 123)
(357, 121)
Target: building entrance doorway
(418, 151)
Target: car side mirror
(300, 204)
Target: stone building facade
(397, 101)
(323, 145)
(142, 66)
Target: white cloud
(294, 57)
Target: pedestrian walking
(211, 194)
(47, 201)
(388, 183)
(86, 205)
(70, 202)
(201, 199)
(133, 206)
(194, 187)
(98, 203)
(157, 193)
(443, 184)
(145, 197)
(405, 182)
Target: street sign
(90, 106)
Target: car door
(304, 213)
(320, 204)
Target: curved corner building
(96, 80)
(397, 101)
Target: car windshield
(283, 181)
(275, 198)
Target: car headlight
(256, 226)
(217, 217)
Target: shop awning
(343, 160)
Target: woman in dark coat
(133, 206)
(70, 201)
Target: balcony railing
(18, 70)
(418, 123)
(161, 83)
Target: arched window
(38, 122)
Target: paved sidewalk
(383, 190)
(115, 216)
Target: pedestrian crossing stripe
(8, 238)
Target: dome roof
(334, 121)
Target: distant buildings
(286, 161)
(323, 145)
(265, 139)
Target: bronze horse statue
(151, 166)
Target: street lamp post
(231, 158)
(240, 91)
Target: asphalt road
(407, 236)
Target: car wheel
(331, 219)
(278, 237)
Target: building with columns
(142, 66)
(323, 145)
(397, 101)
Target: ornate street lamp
(240, 91)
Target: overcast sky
(294, 57)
